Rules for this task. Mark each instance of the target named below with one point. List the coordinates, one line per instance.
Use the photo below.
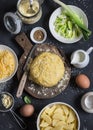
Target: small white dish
(38, 29)
(87, 102)
(58, 103)
(2, 48)
(56, 13)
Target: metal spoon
(31, 2)
(30, 9)
(20, 122)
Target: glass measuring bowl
(20, 122)
(29, 14)
(13, 21)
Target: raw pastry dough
(47, 69)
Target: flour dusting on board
(73, 87)
(10, 126)
(84, 4)
(45, 92)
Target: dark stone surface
(72, 95)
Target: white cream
(87, 102)
(80, 58)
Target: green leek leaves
(75, 18)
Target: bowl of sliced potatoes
(58, 116)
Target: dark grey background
(72, 95)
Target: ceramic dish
(45, 92)
(87, 102)
(38, 29)
(2, 48)
(57, 12)
(53, 112)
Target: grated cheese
(7, 64)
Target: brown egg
(83, 81)
(27, 110)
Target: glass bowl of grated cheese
(8, 63)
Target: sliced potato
(47, 118)
(71, 117)
(48, 128)
(59, 110)
(54, 122)
(66, 110)
(43, 124)
(58, 128)
(60, 123)
(50, 110)
(59, 117)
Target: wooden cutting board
(26, 45)
(32, 88)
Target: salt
(89, 102)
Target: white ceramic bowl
(60, 103)
(32, 34)
(4, 47)
(87, 102)
(56, 13)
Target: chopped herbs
(27, 100)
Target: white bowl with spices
(38, 35)
(8, 63)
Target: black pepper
(38, 35)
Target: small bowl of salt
(87, 102)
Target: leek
(75, 18)
(65, 27)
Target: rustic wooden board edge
(26, 45)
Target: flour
(5, 86)
(83, 3)
(73, 87)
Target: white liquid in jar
(80, 57)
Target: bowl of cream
(87, 102)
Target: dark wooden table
(72, 95)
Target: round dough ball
(47, 69)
